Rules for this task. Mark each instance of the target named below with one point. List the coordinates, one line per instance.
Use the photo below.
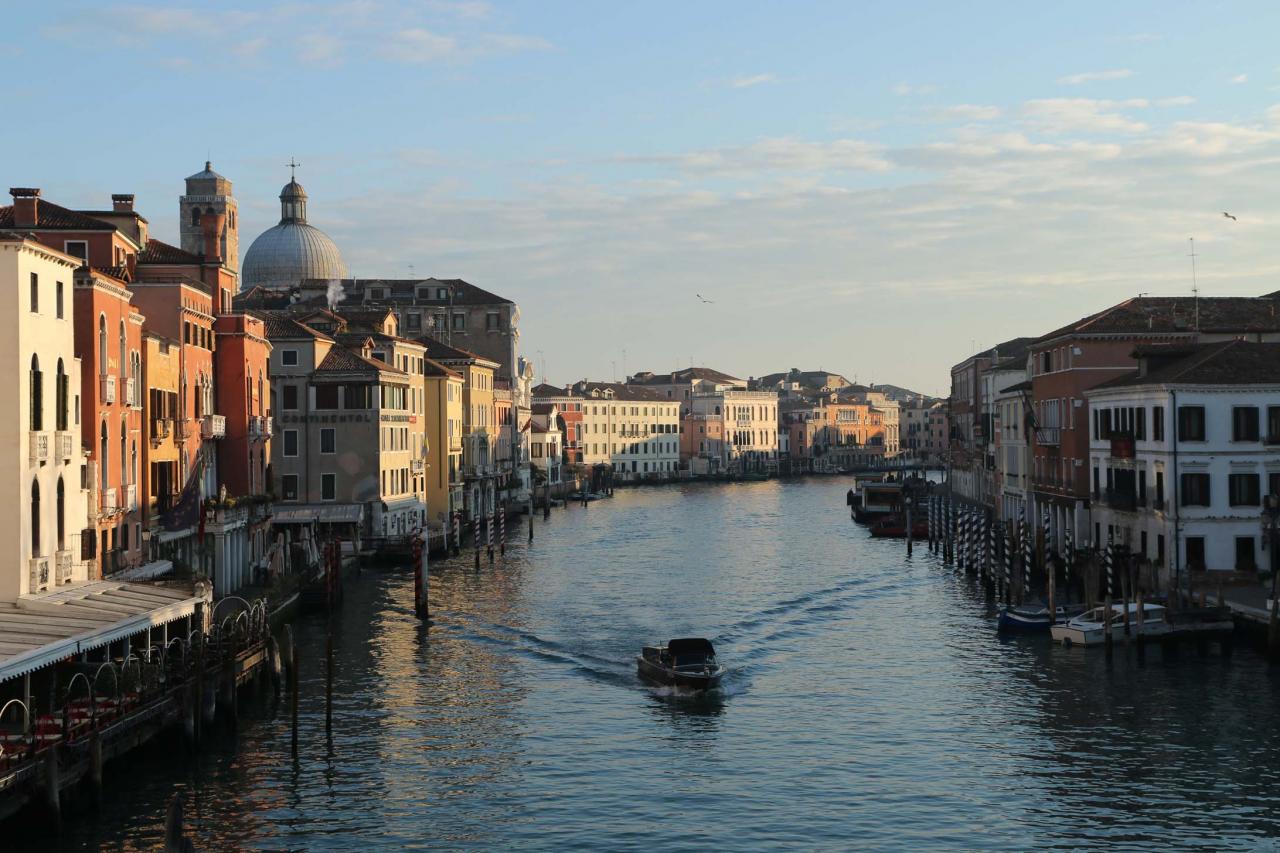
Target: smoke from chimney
(334, 293)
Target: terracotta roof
(686, 375)
(159, 252)
(435, 368)
(343, 360)
(282, 325)
(261, 297)
(50, 216)
(401, 290)
(1177, 315)
(440, 350)
(1224, 363)
(620, 391)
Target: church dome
(292, 251)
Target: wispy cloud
(319, 48)
(1095, 76)
(1071, 115)
(780, 154)
(967, 112)
(747, 82)
(1239, 78)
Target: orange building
(825, 435)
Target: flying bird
(704, 299)
(1229, 216)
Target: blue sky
(870, 188)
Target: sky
(874, 189)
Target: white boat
(1090, 628)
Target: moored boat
(878, 500)
(1033, 617)
(895, 527)
(689, 662)
(1091, 627)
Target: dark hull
(919, 530)
(650, 671)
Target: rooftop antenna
(1195, 289)
(410, 270)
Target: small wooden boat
(1033, 617)
(689, 662)
(1091, 627)
(895, 527)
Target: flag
(185, 512)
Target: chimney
(122, 202)
(212, 225)
(26, 201)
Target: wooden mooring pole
(328, 684)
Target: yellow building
(444, 393)
(162, 475)
(479, 425)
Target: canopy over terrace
(37, 631)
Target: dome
(292, 251)
(288, 253)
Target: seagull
(704, 299)
(1229, 216)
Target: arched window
(61, 392)
(35, 395)
(102, 344)
(35, 518)
(124, 456)
(133, 461)
(62, 516)
(124, 351)
(102, 458)
(195, 216)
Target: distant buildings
(634, 429)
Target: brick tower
(210, 193)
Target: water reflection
(868, 704)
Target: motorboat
(895, 527)
(878, 500)
(689, 662)
(1033, 617)
(1091, 627)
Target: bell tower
(209, 194)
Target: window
(290, 397)
(326, 396)
(1160, 489)
(1160, 548)
(1273, 424)
(35, 294)
(1195, 553)
(459, 322)
(1244, 423)
(291, 442)
(1191, 423)
(289, 357)
(1157, 423)
(35, 395)
(328, 440)
(289, 487)
(77, 249)
(1273, 483)
(1246, 557)
(1242, 489)
(414, 322)
(1195, 489)
(328, 487)
(491, 323)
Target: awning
(39, 630)
(322, 513)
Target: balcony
(62, 564)
(63, 446)
(1049, 436)
(39, 448)
(213, 426)
(108, 502)
(160, 429)
(416, 466)
(1123, 500)
(262, 427)
(131, 393)
(1121, 445)
(131, 497)
(108, 388)
(39, 574)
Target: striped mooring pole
(502, 529)
(1108, 560)
(457, 533)
(1024, 533)
(488, 534)
(1007, 542)
(1068, 557)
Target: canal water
(869, 706)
